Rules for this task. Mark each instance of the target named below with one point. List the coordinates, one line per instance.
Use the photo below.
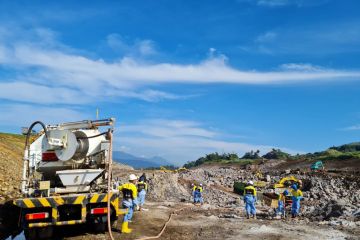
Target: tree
(212, 157)
(252, 155)
(276, 154)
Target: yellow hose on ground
(165, 225)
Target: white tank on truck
(67, 177)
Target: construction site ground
(330, 210)
(205, 222)
(208, 221)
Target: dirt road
(209, 223)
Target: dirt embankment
(348, 166)
(11, 153)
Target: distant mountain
(139, 162)
(159, 160)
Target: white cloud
(282, 3)
(276, 3)
(266, 37)
(65, 74)
(352, 128)
(137, 48)
(35, 93)
(306, 67)
(178, 140)
(24, 115)
(168, 128)
(3, 54)
(309, 39)
(146, 47)
(130, 72)
(151, 95)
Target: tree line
(233, 157)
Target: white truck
(67, 178)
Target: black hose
(30, 130)
(98, 135)
(28, 150)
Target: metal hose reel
(67, 144)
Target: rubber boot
(125, 228)
(254, 216)
(248, 216)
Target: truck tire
(99, 224)
(31, 233)
(39, 233)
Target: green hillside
(349, 151)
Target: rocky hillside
(330, 198)
(11, 151)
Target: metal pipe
(87, 124)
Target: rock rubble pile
(327, 199)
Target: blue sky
(185, 78)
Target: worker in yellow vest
(129, 202)
(297, 195)
(197, 193)
(250, 199)
(281, 203)
(142, 189)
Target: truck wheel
(31, 233)
(99, 227)
(99, 224)
(46, 232)
(39, 233)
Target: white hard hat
(132, 177)
(251, 182)
(200, 184)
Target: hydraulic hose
(109, 191)
(165, 225)
(30, 129)
(27, 153)
(97, 135)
